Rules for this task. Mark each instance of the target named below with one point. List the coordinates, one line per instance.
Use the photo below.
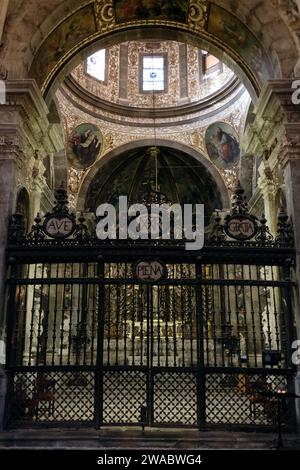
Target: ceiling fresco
(204, 21)
(173, 10)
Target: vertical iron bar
(98, 415)
(201, 418)
(288, 311)
(11, 317)
(150, 395)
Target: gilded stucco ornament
(105, 15)
(230, 176)
(198, 14)
(74, 181)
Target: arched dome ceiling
(251, 32)
(127, 73)
(115, 87)
(181, 179)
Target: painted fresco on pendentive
(84, 146)
(69, 33)
(172, 10)
(230, 30)
(222, 144)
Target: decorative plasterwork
(96, 19)
(109, 91)
(116, 136)
(74, 181)
(198, 14)
(105, 15)
(230, 177)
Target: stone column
(9, 152)
(268, 191)
(26, 136)
(275, 133)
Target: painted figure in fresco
(224, 146)
(85, 146)
(175, 10)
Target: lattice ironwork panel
(124, 392)
(175, 398)
(235, 399)
(52, 397)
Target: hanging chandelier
(152, 193)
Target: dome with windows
(144, 74)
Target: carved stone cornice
(276, 117)
(26, 106)
(10, 141)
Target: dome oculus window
(153, 73)
(96, 65)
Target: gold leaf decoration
(198, 14)
(105, 15)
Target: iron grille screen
(89, 343)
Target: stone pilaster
(26, 138)
(268, 190)
(10, 151)
(274, 134)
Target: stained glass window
(153, 73)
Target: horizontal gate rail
(191, 282)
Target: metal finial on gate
(264, 235)
(239, 205)
(285, 233)
(37, 232)
(217, 234)
(81, 231)
(61, 201)
(16, 232)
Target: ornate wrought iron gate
(91, 344)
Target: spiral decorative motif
(198, 14)
(105, 14)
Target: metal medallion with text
(241, 227)
(150, 270)
(59, 227)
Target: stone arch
(96, 24)
(216, 177)
(269, 21)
